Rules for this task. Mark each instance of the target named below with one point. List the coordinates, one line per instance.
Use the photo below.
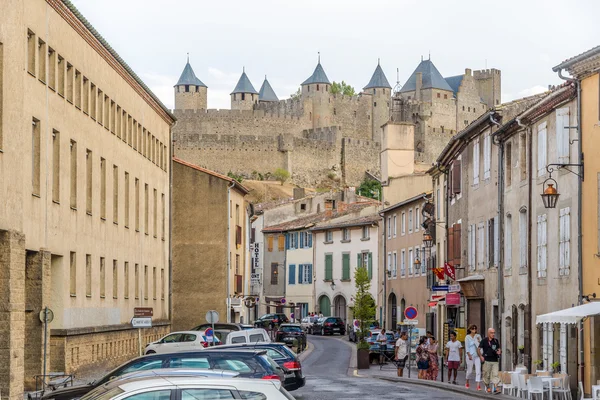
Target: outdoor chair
(562, 388)
(581, 392)
(522, 385)
(509, 383)
(535, 385)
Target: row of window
(298, 240)
(121, 184)
(347, 234)
(363, 260)
(141, 288)
(413, 223)
(62, 77)
(305, 274)
(413, 270)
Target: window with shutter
(496, 242)
(562, 135)
(270, 243)
(487, 156)
(403, 263)
(411, 262)
(370, 265)
(395, 265)
(346, 266)
(389, 264)
(541, 246)
(523, 238)
(300, 274)
(456, 177)
(476, 162)
(328, 267)
(451, 256)
(310, 237)
(564, 242)
(542, 152)
(292, 275)
(487, 260)
(281, 242)
(308, 273)
(456, 245)
(302, 240)
(508, 243)
(480, 245)
(389, 221)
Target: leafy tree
(281, 175)
(342, 88)
(236, 177)
(370, 188)
(297, 95)
(364, 306)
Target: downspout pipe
(229, 250)
(170, 249)
(579, 218)
(384, 300)
(500, 145)
(529, 328)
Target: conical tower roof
(188, 77)
(318, 76)
(378, 80)
(431, 78)
(244, 85)
(266, 92)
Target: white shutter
(470, 246)
(487, 244)
(539, 246)
(487, 155)
(497, 242)
(562, 135)
(476, 162)
(542, 144)
(544, 245)
(567, 236)
(508, 244)
(480, 245)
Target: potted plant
(556, 366)
(538, 364)
(364, 311)
(521, 349)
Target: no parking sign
(410, 313)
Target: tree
(297, 95)
(364, 306)
(370, 188)
(342, 88)
(236, 177)
(281, 175)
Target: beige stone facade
(207, 207)
(84, 183)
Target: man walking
(454, 353)
(382, 341)
(489, 351)
(401, 352)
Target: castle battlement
(485, 73)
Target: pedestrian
(429, 336)
(401, 352)
(489, 353)
(422, 357)
(382, 340)
(432, 348)
(320, 315)
(454, 354)
(473, 361)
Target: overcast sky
(281, 38)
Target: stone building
(210, 225)
(84, 187)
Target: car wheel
(150, 352)
(322, 332)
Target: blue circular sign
(410, 313)
(282, 300)
(208, 332)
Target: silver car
(307, 323)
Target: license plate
(336, 329)
(288, 339)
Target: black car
(329, 325)
(287, 333)
(265, 320)
(282, 355)
(250, 363)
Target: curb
(309, 348)
(444, 387)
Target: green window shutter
(370, 260)
(358, 258)
(346, 266)
(328, 267)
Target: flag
(439, 272)
(449, 269)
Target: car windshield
(290, 329)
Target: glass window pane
(189, 362)
(256, 338)
(274, 354)
(153, 395)
(238, 339)
(206, 394)
(252, 395)
(141, 366)
(232, 365)
(172, 338)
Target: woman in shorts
(422, 358)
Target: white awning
(471, 278)
(570, 315)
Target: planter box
(362, 359)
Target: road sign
(143, 312)
(141, 322)
(442, 288)
(46, 315)
(409, 322)
(410, 312)
(208, 332)
(249, 302)
(454, 288)
(212, 317)
(282, 301)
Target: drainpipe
(500, 225)
(529, 328)
(170, 250)
(229, 250)
(579, 219)
(384, 302)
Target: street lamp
(427, 239)
(417, 264)
(332, 285)
(550, 194)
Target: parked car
(374, 349)
(307, 323)
(265, 320)
(221, 329)
(248, 363)
(248, 336)
(181, 341)
(282, 355)
(287, 333)
(353, 330)
(190, 388)
(329, 325)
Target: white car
(248, 336)
(189, 388)
(181, 341)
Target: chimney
(299, 193)
(350, 196)
(418, 85)
(467, 71)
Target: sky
(281, 39)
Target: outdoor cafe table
(548, 380)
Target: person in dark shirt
(489, 351)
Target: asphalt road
(328, 377)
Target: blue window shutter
(296, 240)
(302, 239)
(309, 239)
(309, 266)
(300, 270)
(292, 279)
(287, 241)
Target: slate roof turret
(266, 92)
(244, 85)
(431, 78)
(378, 80)
(318, 76)
(188, 77)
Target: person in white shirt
(401, 352)
(454, 350)
(382, 340)
(472, 341)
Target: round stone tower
(317, 89)
(190, 92)
(244, 96)
(381, 91)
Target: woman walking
(473, 361)
(422, 358)
(432, 372)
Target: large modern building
(84, 188)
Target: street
(328, 377)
